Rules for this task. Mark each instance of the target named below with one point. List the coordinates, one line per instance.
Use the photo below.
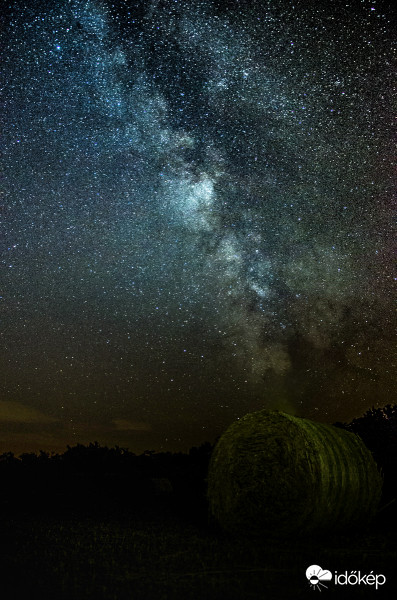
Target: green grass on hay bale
(272, 472)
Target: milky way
(196, 215)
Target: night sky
(196, 217)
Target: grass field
(159, 553)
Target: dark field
(160, 551)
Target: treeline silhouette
(97, 478)
(378, 430)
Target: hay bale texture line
(272, 472)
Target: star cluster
(195, 215)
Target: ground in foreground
(158, 554)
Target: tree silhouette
(378, 430)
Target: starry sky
(196, 217)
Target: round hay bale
(274, 473)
